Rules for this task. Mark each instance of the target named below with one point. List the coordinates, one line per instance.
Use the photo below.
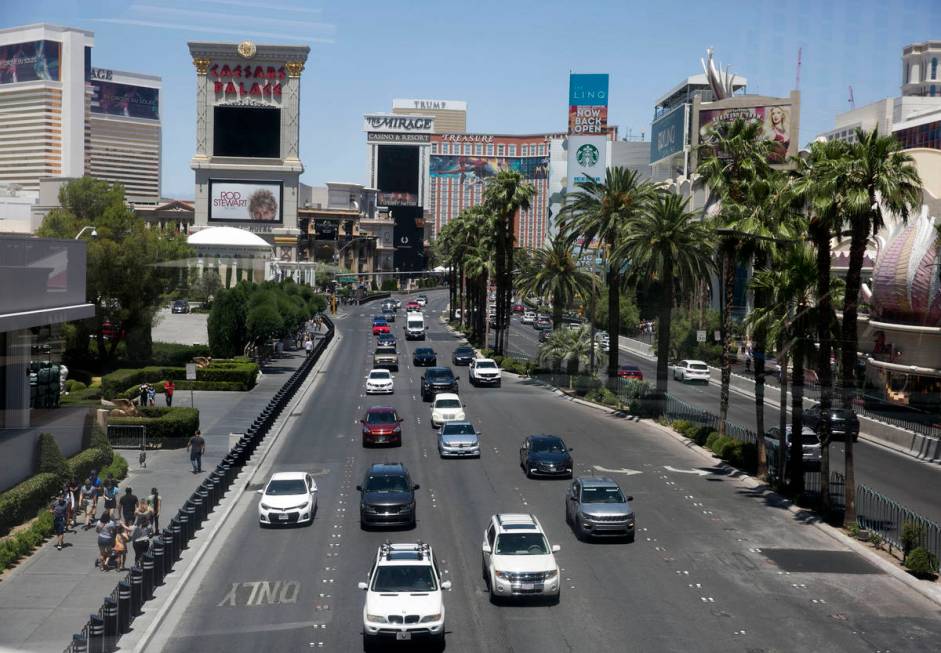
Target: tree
(669, 244)
(554, 274)
(123, 280)
(597, 212)
(880, 175)
(567, 349)
(506, 194)
(226, 323)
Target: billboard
(397, 168)
(115, 99)
(245, 201)
(668, 134)
(477, 169)
(775, 121)
(588, 104)
(30, 62)
(586, 159)
(408, 235)
(398, 199)
(391, 122)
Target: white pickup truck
(484, 371)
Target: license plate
(283, 517)
(403, 635)
(527, 587)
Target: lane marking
(698, 472)
(625, 471)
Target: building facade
(450, 115)
(921, 73)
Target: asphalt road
(700, 575)
(906, 480)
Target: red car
(381, 425)
(630, 372)
(412, 305)
(379, 326)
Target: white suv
(690, 370)
(403, 595)
(484, 371)
(528, 317)
(517, 558)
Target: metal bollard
(124, 607)
(190, 520)
(159, 566)
(147, 565)
(227, 475)
(210, 485)
(169, 555)
(177, 538)
(197, 502)
(137, 590)
(203, 503)
(96, 634)
(184, 529)
(109, 611)
(79, 643)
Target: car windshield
(463, 351)
(381, 418)
(458, 429)
(521, 544)
(424, 351)
(286, 487)
(546, 445)
(447, 403)
(387, 483)
(809, 437)
(404, 578)
(443, 375)
(602, 495)
(487, 364)
(380, 374)
(415, 323)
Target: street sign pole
(191, 376)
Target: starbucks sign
(586, 159)
(587, 155)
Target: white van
(414, 326)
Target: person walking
(168, 389)
(142, 457)
(120, 547)
(151, 395)
(110, 494)
(196, 447)
(140, 541)
(87, 499)
(128, 506)
(73, 488)
(142, 392)
(308, 346)
(154, 501)
(106, 530)
(60, 512)
(144, 514)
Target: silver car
(810, 445)
(596, 507)
(458, 440)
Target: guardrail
(882, 515)
(679, 409)
(118, 610)
(127, 436)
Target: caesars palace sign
(246, 82)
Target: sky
(508, 59)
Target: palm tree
(880, 175)
(554, 274)
(597, 212)
(671, 245)
(567, 349)
(505, 194)
(734, 157)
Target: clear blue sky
(508, 59)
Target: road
(700, 575)
(902, 478)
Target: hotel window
(479, 148)
(934, 68)
(434, 148)
(512, 150)
(524, 150)
(542, 149)
(489, 149)
(467, 148)
(444, 148)
(500, 151)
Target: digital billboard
(668, 134)
(30, 62)
(245, 201)
(775, 121)
(476, 169)
(246, 132)
(127, 100)
(588, 104)
(397, 169)
(408, 233)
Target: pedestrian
(140, 540)
(60, 511)
(86, 501)
(142, 457)
(106, 530)
(128, 506)
(142, 392)
(154, 501)
(151, 395)
(110, 498)
(96, 485)
(74, 488)
(143, 514)
(196, 447)
(308, 346)
(168, 389)
(120, 547)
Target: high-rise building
(124, 132)
(450, 115)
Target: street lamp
(94, 232)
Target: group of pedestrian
(147, 393)
(136, 523)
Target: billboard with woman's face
(245, 201)
(30, 62)
(775, 121)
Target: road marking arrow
(699, 472)
(628, 472)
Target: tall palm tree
(881, 175)
(597, 212)
(506, 194)
(554, 274)
(567, 349)
(733, 158)
(671, 245)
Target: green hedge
(120, 382)
(81, 465)
(166, 427)
(16, 546)
(21, 502)
(171, 353)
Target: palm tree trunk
(758, 356)
(849, 339)
(500, 273)
(614, 311)
(824, 371)
(782, 421)
(556, 308)
(663, 338)
(463, 290)
(728, 292)
(504, 320)
(796, 457)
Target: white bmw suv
(403, 596)
(517, 559)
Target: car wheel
(483, 572)
(630, 538)
(580, 534)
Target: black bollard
(190, 520)
(96, 634)
(177, 538)
(196, 502)
(169, 555)
(203, 504)
(210, 485)
(183, 518)
(147, 565)
(159, 568)
(109, 612)
(79, 644)
(137, 590)
(124, 607)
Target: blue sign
(668, 134)
(588, 90)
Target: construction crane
(852, 100)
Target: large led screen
(247, 132)
(409, 235)
(398, 169)
(30, 62)
(245, 201)
(125, 100)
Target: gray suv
(596, 507)
(387, 496)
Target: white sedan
(691, 371)
(379, 382)
(288, 498)
(447, 407)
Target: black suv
(843, 422)
(546, 455)
(387, 496)
(180, 306)
(435, 380)
(424, 357)
(463, 355)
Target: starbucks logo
(587, 155)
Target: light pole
(94, 232)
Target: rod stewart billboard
(245, 201)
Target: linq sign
(267, 80)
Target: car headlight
(378, 618)
(552, 575)
(431, 617)
(266, 506)
(501, 575)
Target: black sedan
(546, 455)
(425, 357)
(463, 355)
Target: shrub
(123, 383)
(921, 562)
(910, 536)
(174, 354)
(117, 469)
(388, 285)
(680, 426)
(875, 539)
(81, 465)
(21, 501)
(711, 440)
(725, 447)
(51, 459)
(168, 427)
(72, 385)
(701, 434)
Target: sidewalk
(49, 596)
